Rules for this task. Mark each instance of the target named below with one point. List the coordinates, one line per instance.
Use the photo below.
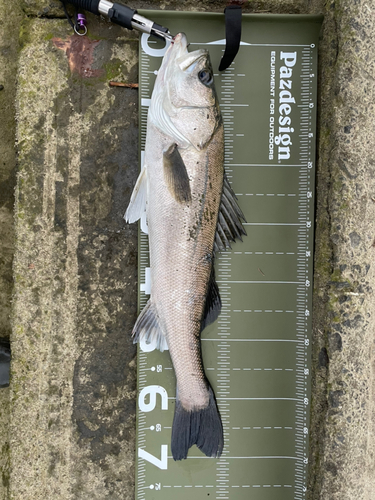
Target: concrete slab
(73, 388)
(52, 8)
(73, 370)
(10, 19)
(342, 431)
(42, 8)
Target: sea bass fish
(192, 213)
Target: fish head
(184, 102)
(190, 79)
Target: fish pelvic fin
(175, 175)
(201, 427)
(230, 221)
(147, 328)
(138, 200)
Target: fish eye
(205, 76)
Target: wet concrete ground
(67, 423)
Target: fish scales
(191, 213)
(181, 258)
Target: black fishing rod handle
(90, 5)
(117, 12)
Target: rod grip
(122, 15)
(90, 5)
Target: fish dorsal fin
(175, 175)
(138, 200)
(147, 328)
(213, 301)
(229, 224)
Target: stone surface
(52, 8)
(73, 371)
(42, 8)
(10, 20)
(342, 430)
(4, 447)
(73, 387)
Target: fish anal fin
(147, 328)
(138, 200)
(213, 301)
(175, 175)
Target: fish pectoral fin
(175, 175)
(212, 307)
(138, 200)
(147, 328)
(229, 225)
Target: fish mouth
(177, 55)
(178, 50)
(180, 40)
(178, 47)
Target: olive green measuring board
(257, 354)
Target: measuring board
(257, 354)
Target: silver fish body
(191, 212)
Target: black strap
(73, 25)
(233, 15)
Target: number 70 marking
(161, 463)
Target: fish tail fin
(201, 427)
